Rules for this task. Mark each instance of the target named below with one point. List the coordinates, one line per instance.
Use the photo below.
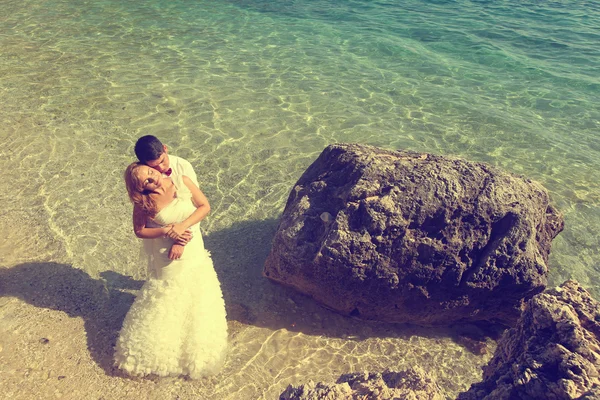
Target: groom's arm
(176, 251)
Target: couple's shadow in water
(101, 303)
(239, 254)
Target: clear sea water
(250, 92)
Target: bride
(177, 325)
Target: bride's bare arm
(202, 209)
(140, 229)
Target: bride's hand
(176, 252)
(177, 230)
(185, 238)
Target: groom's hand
(185, 238)
(176, 252)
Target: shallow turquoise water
(251, 91)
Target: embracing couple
(176, 325)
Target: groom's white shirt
(182, 167)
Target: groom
(150, 151)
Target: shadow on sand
(100, 302)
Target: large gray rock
(412, 384)
(405, 237)
(552, 353)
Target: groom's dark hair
(148, 148)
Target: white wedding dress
(176, 325)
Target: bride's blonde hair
(137, 194)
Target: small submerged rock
(413, 384)
(317, 391)
(475, 346)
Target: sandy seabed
(58, 331)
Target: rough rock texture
(413, 384)
(405, 237)
(552, 353)
(593, 394)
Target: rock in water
(405, 237)
(552, 353)
(412, 384)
